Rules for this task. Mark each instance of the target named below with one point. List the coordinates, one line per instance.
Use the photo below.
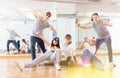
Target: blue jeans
(33, 41)
(14, 43)
(107, 40)
(88, 57)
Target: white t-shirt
(90, 48)
(52, 49)
(67, 49)
(23, 47)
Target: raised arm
(36, 14)
(16, 34)
(83, 42)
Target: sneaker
(88, 65)
(58, 67)
(19, 67)
(7, 53)
(11, 53)
(110, 66)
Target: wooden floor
(8, 69)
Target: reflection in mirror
(17, 24)
(64, 19)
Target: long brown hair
(56, 39)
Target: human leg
(38, 60)
(8, 43)
(16, 45)
(42, 45)
(38, 48)
(99, 42)
(96, 62)
(109, 47)
(32, 47)
(66, 61)
(86, 56)
(35, 62)
(56, 57)
(111, 65)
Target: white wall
(115, 31)
(66, 25)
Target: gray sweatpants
(52, 56)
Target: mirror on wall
(64, 19)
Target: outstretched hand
(78, 24)
(46, 42)
(85, 39)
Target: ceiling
(11, 10)
(105, 2)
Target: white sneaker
(7, 53)
(58, 67)
(85, 65)
(110, 66)
(11, 53)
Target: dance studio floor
(8, 69)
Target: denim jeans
(33, 41)
(88, 57)
(14, 43)
(107, 40)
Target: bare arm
(84, 27)
(83, 42)
(107, 23)
(36, 14)
(52, 28)
(17, 35)
(47, 43)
